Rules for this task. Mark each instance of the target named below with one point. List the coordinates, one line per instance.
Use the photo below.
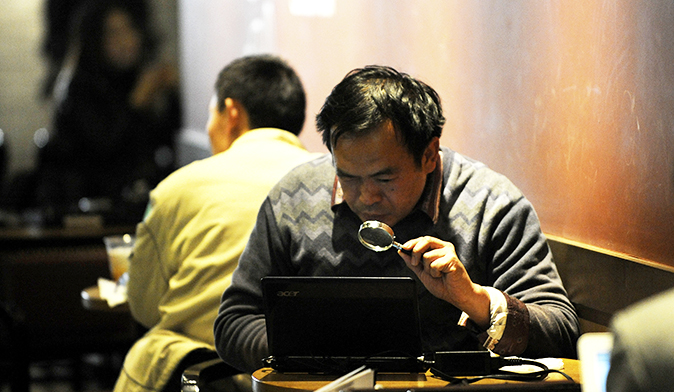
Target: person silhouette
(116, 115)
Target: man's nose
(369, 193)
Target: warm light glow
(572, 100)
(321, 8)
(568, 99)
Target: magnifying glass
(379, 237)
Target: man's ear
(237, 116)
(231, 111)
(227, 125)
(429, 159)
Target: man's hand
(438, 267)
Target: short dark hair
(368, 97)
(269, 90)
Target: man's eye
(384, 180)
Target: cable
(452, 367)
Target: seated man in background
(484, 270)
(642, 358)
(200, 217)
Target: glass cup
(119, 249)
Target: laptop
(337, 324)
(594, 353)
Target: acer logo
(287, 293)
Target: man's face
(379, 177)
(216, 122)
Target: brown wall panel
(573, 100)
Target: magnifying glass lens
(378, 236)
(375, 238)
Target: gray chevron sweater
(493, 227)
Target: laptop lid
(338, 323)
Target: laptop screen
(340, 318)
(594, 353)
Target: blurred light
(41, 137)
(2, 137)
(84, 204)
(163, 156)
(322, 8)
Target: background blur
(572, 100)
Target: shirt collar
(430, 198)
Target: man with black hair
(200, 217)
(485, 271)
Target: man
(477, 248)
(642, 358)
(201, 216)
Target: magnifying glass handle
(400, 248)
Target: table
(13, 238)
(269, 380)
(42, 273)
(91, 300)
